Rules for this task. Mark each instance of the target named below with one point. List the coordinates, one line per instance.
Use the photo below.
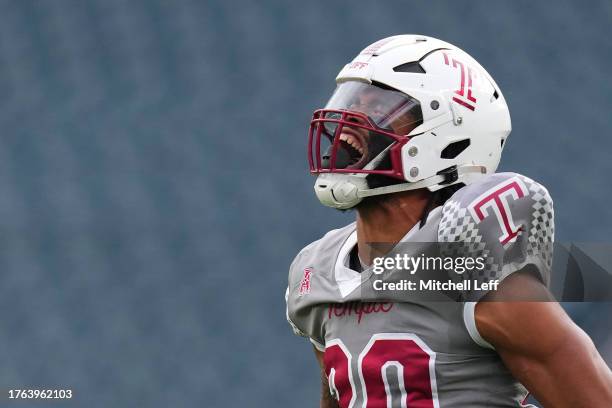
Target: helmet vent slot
(455, 149)
(496, 94)
(413, 67)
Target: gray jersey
(410, 352)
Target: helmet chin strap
(428, 182)
(344, 191)
(396, 188)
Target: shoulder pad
(311, 284)
(505, 216)
(313, 252)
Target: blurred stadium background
(153, 183)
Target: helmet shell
(459, 100)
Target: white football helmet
(408, 112)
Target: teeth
(351, 140)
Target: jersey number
(413, 374)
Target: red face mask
(362, 130)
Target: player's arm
(542, 347)
(327, 401)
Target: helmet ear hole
(455, 149)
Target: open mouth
(352, 149)
(352, 142)
(355, 147)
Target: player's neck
(388, 220)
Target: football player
(410, 139)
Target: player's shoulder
(505, 218)
(321, 250)
(500, 204)
(312, 269)
(520, 187)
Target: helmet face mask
(362, 130)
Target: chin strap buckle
(450, 175)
